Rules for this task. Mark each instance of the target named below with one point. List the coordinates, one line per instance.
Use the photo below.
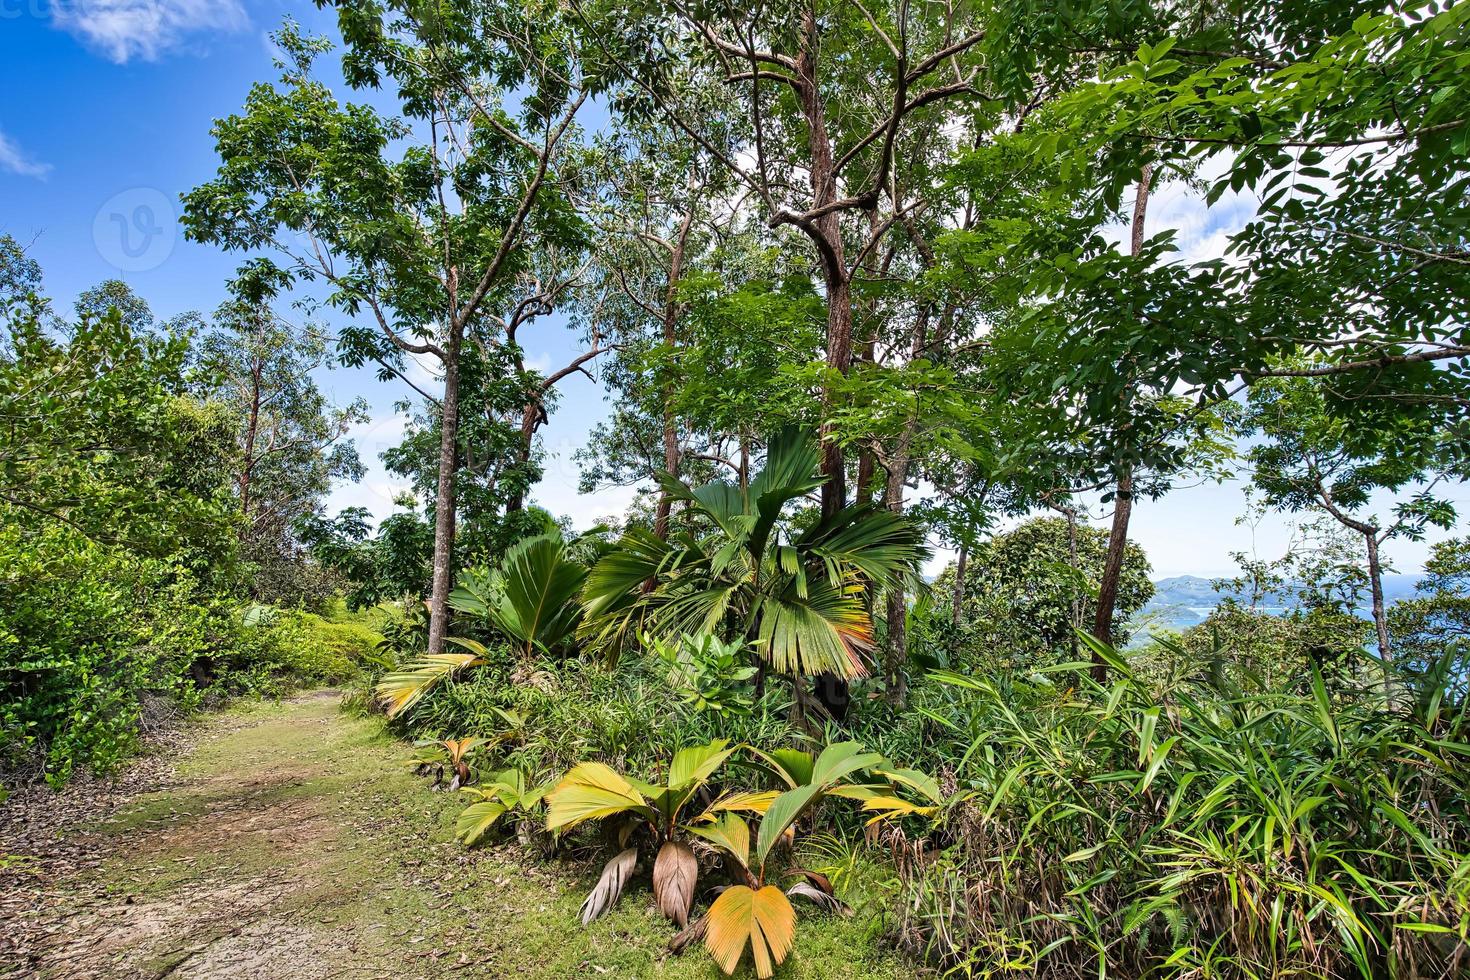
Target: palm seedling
(740, 570)
(434, 756)
(508, 792)
(752, 912)
(529, 599)
(594, 791)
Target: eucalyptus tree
(1325, 451)
(291, 443)
(828, 100)
(704, 365)
(420, 220)
(114, 294)
(658, 217)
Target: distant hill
(1182, 601)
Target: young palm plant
(754, 912)
(594, 791)
(739, 570)
(434, 755)
(508, 792)
(530, 599)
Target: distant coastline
(1182, 601)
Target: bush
(1027, 591)
(91, 636)
(1307, 828)
(628, 717)
(85, 633)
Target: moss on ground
(299, 843)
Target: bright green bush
(95, 641)
(86, 635)
(574, 711)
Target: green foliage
(743, 571)
(708, 674)
(1028, 590)
(1187, 827)
(289, 444)
(1323, 452)
(99, 436)
(98, 645)
(506, 794)
(530, 598)
(1434, 626)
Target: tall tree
(291, 445)
(1107, 590)
(422, 220)
(832, 94)
(1326, 450)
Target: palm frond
(400, 690)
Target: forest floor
(290, 840)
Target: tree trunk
(670, 321)
(1375, 582)
(1072, 558)
(252, 429)
(865, 471)
(444, 504)
(743, 474)
(958, 601)
(839, 358)
(671, 465)
(896, 640)
(826, 234)
(530, 415)
(1107, 593)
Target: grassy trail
(292, 842)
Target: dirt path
(290, 841)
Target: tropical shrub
(97, 643)
(707, 673)
(508, 794)
(530, 598)
(594, 791)
(752, 912)
(1253, 647)
(740, 570)
(1027, 591)
(530, 602)
(578, 710)
(1138, 828)
(434, 756)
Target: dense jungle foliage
(863, 284)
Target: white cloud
(126, 29)
(14, 160)
(423, 371)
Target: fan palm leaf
(533, 593)
(400, 690)
(801, 598)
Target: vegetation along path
(290, 840)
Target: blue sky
(107, 122)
